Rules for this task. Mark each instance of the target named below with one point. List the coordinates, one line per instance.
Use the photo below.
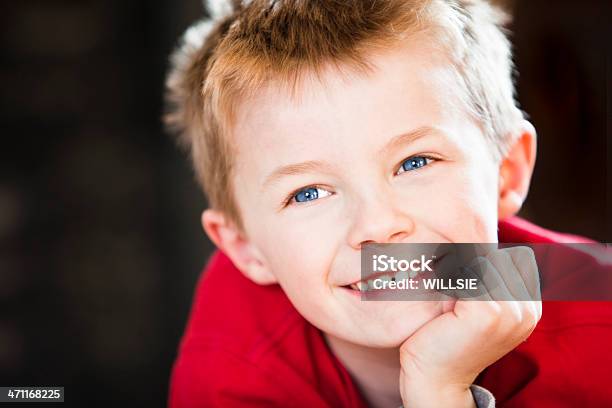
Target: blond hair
(224, 60)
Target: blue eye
(413, 163)
(309, 194)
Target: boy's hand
(443, 358)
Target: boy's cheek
(468, 210)
(300, 265)
(470, 220)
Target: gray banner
(572, 272)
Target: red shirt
(246, 345)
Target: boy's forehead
(406, 88)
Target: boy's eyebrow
(407, 138)
(293, 169)
(317, 165)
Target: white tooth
(362, 286)
(401, 275)
(412, 273)
(370, 285)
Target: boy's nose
(380, 221)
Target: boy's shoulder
(575, 273)
(246, 344)
(566, 361)
(519, 230)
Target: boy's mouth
(366, 284)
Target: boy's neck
(375, 371)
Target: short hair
(230, 57)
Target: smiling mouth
(367, 284)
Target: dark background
(100, 243)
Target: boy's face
(349, 139)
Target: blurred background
(100, 242)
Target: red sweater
(246, 345)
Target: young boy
(316, 127)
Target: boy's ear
(227, 237)
(515, 171)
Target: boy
(317, 127)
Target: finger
(476, 269)
(483, 249)
(525, 261)
(503, 263)
(492, 280)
